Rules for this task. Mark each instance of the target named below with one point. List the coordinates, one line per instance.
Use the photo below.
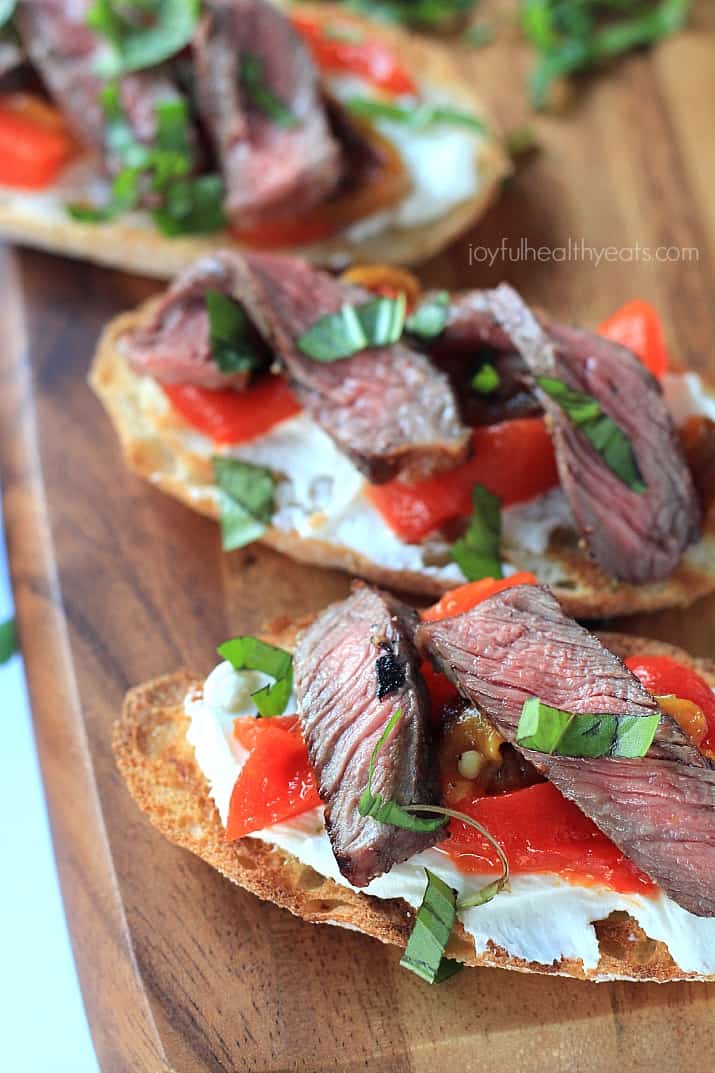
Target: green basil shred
(231, 346)
(434, 920)
(419, 116)
(423, 954)
(375, 806)
(7, 10)
(192, 207)
(8, 640)
(253, 79)
(250, 653)
(478, 552)
(605, 435)
(246, 496)
(559, 733)
(159, 30)
(379, 322)
(486, 380)
(189, 205)
(430, 317)
(573, 37)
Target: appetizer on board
(420, 440)
(141, 143)
(487, 783)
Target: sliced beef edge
(658, 809)
(355, 665)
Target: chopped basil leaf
(250, 653)
(246, 498)
(89, 214)
(574, 37)
(163, 28)
(192, 207)
(430, 317)
(124, 197)
(477, 553)
(338, 335)
(231, 348)
(8, 640)
(334, 336)
(605, 435)
(555, 732)
(374, 805)
(172, 157)
(253, 78)
(419, 116)
(383, 320)
(188, 205)
(7, 9)
(390, 812)
(424, 953)
(486, 380)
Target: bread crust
(154, 448)
(161, 773)
(134, 244)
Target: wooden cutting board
(116, 584)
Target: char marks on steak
(269, 168)
(658, 809)
(345, 701)
(388, 408)
(637, 537)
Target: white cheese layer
(441, 161)
(321, 495)
(542, 918)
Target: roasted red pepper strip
(34, 143)
(464, 598)
(636, 325)
(514, 460)
(663, 676)
(369, 58)
(229, 416)
(276, 782)
(540, 831)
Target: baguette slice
(162, 776)
(158, 447)
(134, 244)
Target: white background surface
(42, 1021)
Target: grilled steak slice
(270, 163)
(388, 408)
(64, 50)
(354, 666)
(638, 537)
(658, 809)
(174, 346)
(471, 335)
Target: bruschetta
(487, 784)
(236, 124)
(420, 440)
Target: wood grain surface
(116, 584)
